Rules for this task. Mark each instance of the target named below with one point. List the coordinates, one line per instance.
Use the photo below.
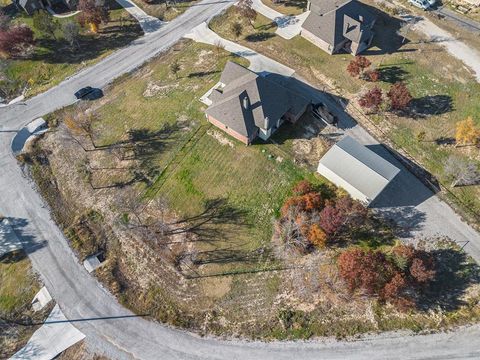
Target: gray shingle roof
(333, 21)
(359, 166)
(266, 99)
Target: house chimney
(266, 123)
(246, 103)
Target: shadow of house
(60, 51)
(388, 39)
(431, 105)
(335, 104)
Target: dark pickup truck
(320, 111)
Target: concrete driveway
(258, 63)
(54, 336)
(149, 24)
(287, 26)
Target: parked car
(83, 92)
(422, 4)
(320, 111)
(89, 93)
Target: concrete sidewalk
(56, 335)
(148, 23)
(288, 26)
(258, 63)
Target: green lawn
(54, 60)
(251, 179)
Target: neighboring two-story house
(335, 25)
(30, 6)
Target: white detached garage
(358, 170)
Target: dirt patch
(155, 89)
(217, 288)
(309, 151)
(202, 57)
(217, 135)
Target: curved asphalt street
(114, 331)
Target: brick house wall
(230, 131)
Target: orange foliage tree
(466, 132)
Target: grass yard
(287, 7)
(54, 60)
(444, 90)
(251, 180)
(18, 286)
(163, 11)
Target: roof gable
(332, 21)
(359, 166)
(247, 100)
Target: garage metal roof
(359, 166)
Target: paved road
(458, 19)
(114, 331)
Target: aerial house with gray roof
(335, 25)
(357, 169)
(246, 105)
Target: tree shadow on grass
(228, 256)
(431, 105)
(90, 47)
(211, 224)
(144, 147)
(392, 74)
(260, 36)
(455, 273)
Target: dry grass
(287, 7)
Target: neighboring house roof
(333, 21)
(247, 99)
(359, 166)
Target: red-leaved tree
(372, 99)
(399, 96)
(397, 278)
(357, 66)
(15, 40)
(342, 215)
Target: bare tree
(245, 8)
(71, 33)
(461, 171)
(237, 29)
(5, 21)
